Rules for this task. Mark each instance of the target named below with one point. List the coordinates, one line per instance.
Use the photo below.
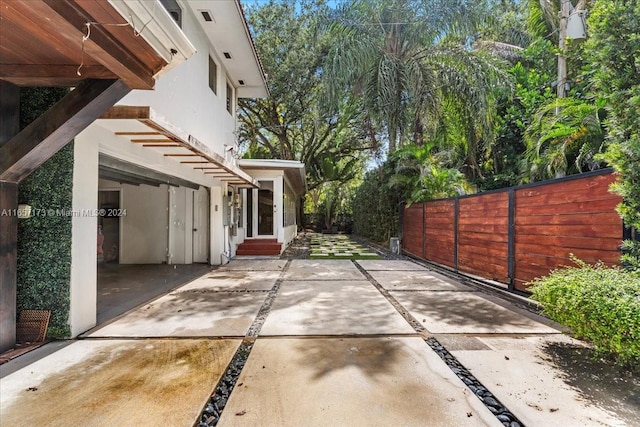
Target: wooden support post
(8, 263)
(9, 126)
(9, 111)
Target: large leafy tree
(614, 48)
(290, 124)
(405, 60)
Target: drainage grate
(213, 409)
(504, 415)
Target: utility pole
(565, 10)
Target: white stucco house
(160, 166)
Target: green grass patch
(339, 247)
(600, 304)
(353, 257)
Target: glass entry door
(265, 209)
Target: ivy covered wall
(44, 240)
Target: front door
(201, 225)
(265, 209)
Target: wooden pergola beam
(104, 47)
(60, 124)
(58, 72)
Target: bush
(612, 49)
(375, 207)
(600, 304)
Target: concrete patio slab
(189, 314)
(350, 382)
(304, 269)
(234, 280)
(415, 281)
(447, 312)
(519, 373)
(255, 264)
(390, 265)
(121, 383)
(332, 308)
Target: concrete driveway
(322, 343)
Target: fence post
(511, 240)
(424, 231)
(456, 208)
(400, 220)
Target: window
(174, 10)
(229, 99)
(213, 75)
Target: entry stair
(259, 247)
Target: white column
(216, 228)
(278, 202)
(84, 226)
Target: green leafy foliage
(565, 137)
(375, 206)
(44, 241)
(291, 124)
(501, 161)
(403, 60)
(422, 174)
(614, 49)
(599, 304)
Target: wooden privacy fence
(516, 234)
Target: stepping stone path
(338, 246)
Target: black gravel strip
(254, 330)
(213, 409)
(490, 401)
(415, 324)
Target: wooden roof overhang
(143, 126)
(64, 42)
(103, 49)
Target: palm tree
(404, 58)
(564, 138)
(424, 175)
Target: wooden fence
(516, 234)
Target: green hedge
(375, 207)
(600, 304)
(44, 241)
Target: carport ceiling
(128, 173)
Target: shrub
(613, 49)
(375, 207)
(600, 304)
